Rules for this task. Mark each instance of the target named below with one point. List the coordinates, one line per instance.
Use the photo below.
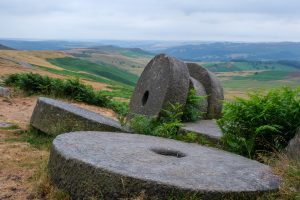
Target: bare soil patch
(18, 110)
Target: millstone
(208, 129)
(120, 165)
(212, 86)
(164, 80)
(200, 91)
(55, 117)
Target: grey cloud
(246, 20)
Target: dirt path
(19, 109)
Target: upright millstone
(200, 91)
(164, 80)
(212, 85)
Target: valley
(116, 69)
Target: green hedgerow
(261, 123)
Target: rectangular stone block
(55, 117)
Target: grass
(289, 172)
(109, 72)
(119, 91)
(248, 65)
(264, 76)
(78, 74)
(34, 137)
(43, 188)
(70, 89)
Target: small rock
(4, 92)
(5, 125)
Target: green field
(237, 77)
(240, 77)
(247, 66)
(112, 73)
(264, 76)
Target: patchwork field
(117, 69)
(240, 77)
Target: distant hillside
(132, 52)
(108, 72)
(45, 44)
(2, 47)
(130, 59)
(226, 51)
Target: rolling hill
(116, 69)
(132, 60)
(2, 47)
(106, 71)
(227, 51)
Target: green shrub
(166, 125)
(119, 107)
(261, 123)
(69, 88)
(192, 110)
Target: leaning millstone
(200, 91)
(4, 92)
(164, 80)
(293, 148)
(212, 86)
(55, 117)
(208, 129)
(120, 165)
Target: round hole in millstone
(104, 161)
(168, 152)
(166, 79)
(145, 97)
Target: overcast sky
(202, 20)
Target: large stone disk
(164, 80)
(120, 165)
(213, 88)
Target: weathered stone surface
(200, 91)
(212, 86)
(205, 128)
(164, 80)
(55, 117)
(4, 92)
(123, 165)
(293, 148)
